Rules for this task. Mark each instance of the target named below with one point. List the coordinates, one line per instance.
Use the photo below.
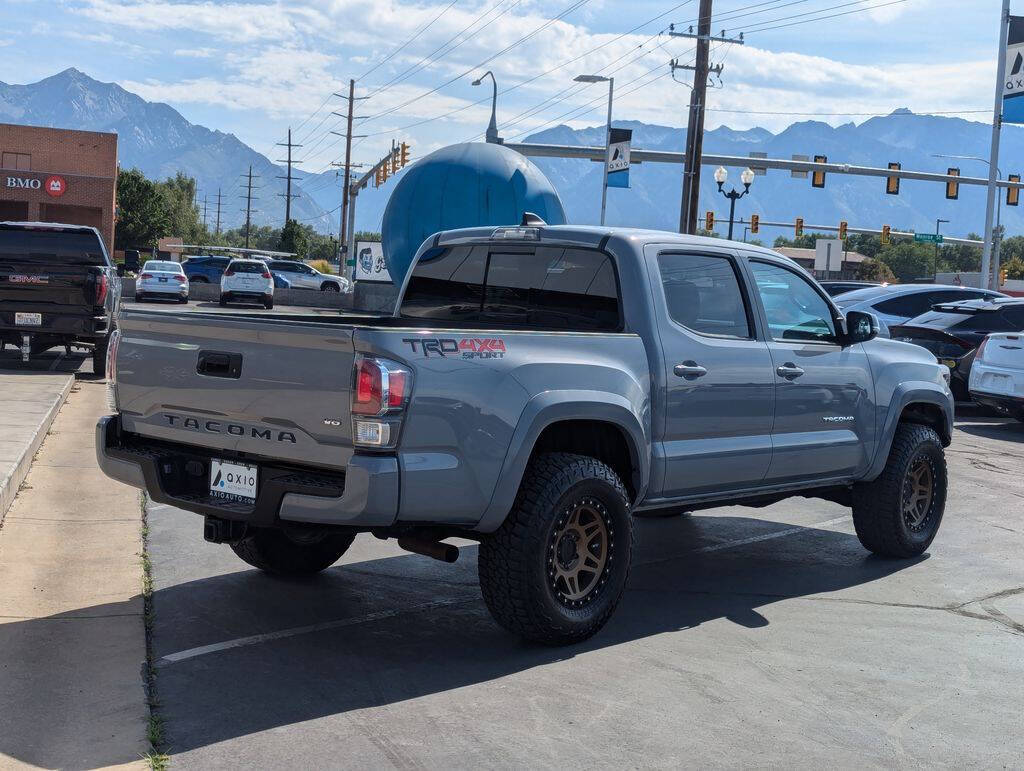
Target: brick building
(58, 175)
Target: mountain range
(160, 142)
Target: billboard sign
(618, 157)
(1013, 80)
(370, 263)
(828, 254)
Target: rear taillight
(229, 272)
(981, 350)
(380, 394)
(146, 275)
(180, 278)
(266, 274)
(111, 373)
(101, 289)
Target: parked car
(58, 286)
(952, 331)
(898, 303)
(997, 377)
(535, 388)
(205, 269)
(841, 287)
(303, 276)
(163, 279)
(247, 281)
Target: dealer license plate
(234, 481)
(28, 319)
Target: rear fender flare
(552, 407)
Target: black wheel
(99, 357)
(183, 300)
(555, 570)
(223, 301)
(292, 553)
(329, 286)
(140, 297)
(269, 304)
(898, 514)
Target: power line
(753, 28)
(415, 35)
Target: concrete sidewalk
(29, 401)
(72, 638)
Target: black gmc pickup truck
(58, 286)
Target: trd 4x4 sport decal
(466, 347)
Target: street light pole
(607, 133)
(937, 223)
(492, 127)
(747, 178)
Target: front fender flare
(552, 407)
(905, 394)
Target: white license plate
(234, 481)
(163, 279)
(28, 319)
(1000, 384)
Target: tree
(806, 241)
(179, 195)
(875, 270)
(142, 213)
(1014, 268)
(295, 238)
(909, 260)
(865, 244)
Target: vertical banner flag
(618, 157)
(370, 265)
(1013, 88)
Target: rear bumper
(365, 495)
(1008, 405)
(174, 289)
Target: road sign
(928, 238)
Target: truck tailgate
(245, 383)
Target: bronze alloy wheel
(580, 552)
(918, 493)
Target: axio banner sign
(1013, 87)
(618, 157)
(370, 264)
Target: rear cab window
(538, 287)
(702, 293)
(65, 247)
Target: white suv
(247, 281)
(997, 375)
(303, 276)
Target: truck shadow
(382, 631)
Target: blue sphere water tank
(462, 186)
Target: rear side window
(908, 305)
(545, 287)
(703, 293)
(66, 248)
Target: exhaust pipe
(439, 550)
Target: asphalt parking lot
(745, 637)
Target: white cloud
(194, 53)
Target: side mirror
(861, 327)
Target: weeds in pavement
(157, 758)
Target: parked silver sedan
(164, 279)
(896, 303)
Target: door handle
(789, 371)
(690, 370)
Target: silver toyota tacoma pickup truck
(535, 389)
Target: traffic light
(799, 227)
(818, 177)
(709, 221)
(404, 154)
(953, 188)
(1013, 193)
(378, 180)
(885, 234)
(842, 230)
(1002, 276)
(892, 184)
(755, 223)
(384, 173)
(394, 161)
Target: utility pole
(218, 212)
(248, 205)
(997, 120)
(204, 211)
(288, 189)
(695, 120)
(349, 117)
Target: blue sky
(254, 68)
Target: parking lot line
(769, 536)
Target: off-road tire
(514, 562)
(878, 506)
(275, 552)
(99, 357)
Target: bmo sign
(55, 186)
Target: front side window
(703, 294)
(794, 310)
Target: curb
(10, 484)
